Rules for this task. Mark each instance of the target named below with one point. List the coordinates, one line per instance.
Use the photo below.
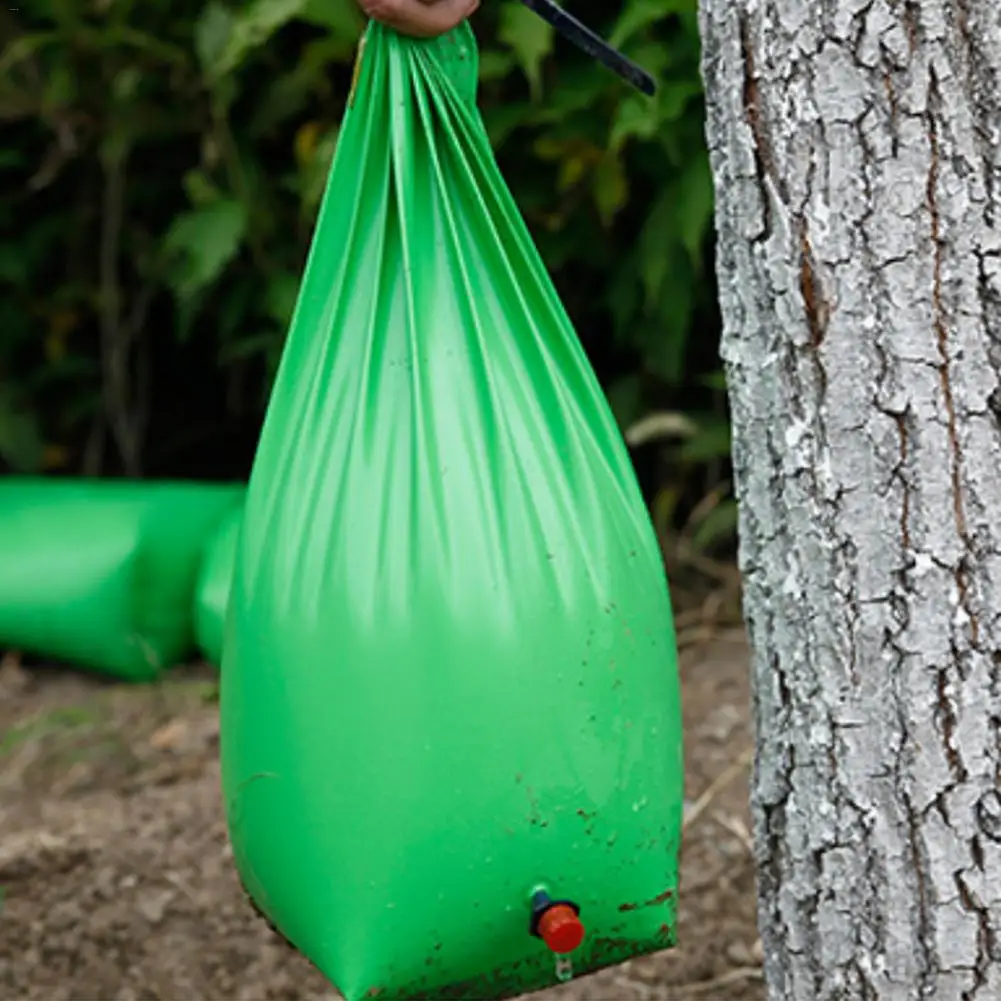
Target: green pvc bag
(102, 573)
(450, 708)
(215, 577)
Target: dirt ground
(117, 880)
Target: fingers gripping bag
(451, 735)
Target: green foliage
(529, 40)
(164, 162)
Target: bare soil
(117, 880)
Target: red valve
(561, 929)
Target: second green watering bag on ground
(451, 734)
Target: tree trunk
(856, 148)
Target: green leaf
(118, 40)
(656, 239)
(673, 99)
(641, 118)
(201, 243)
(663, 332)
(718, 526)
(317, 58)
(715, 381)
(341, 17)
(625, 397)
(280, 297)
(22, 49)
(500, 120)
(655, 59)
(694, 206)
(317, 171)
(635, 116)
(61, 87)
(254, 26)
(67, 13)
(623, 298)
(640, 14)
(126, 85)
(200, 188)
(637, 15)
(711, 441)
(577, 88)
(611, 188)
(530, 40)
(212, 34)
(283, 100)
(664, 509)
(234, 311)
(495, 65)
(246, 347)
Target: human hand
(419, 18)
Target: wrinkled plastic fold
(212, 588)
(449, 672)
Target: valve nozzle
(557, 923)
(561, 929)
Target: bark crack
(985, 932)
(927, 968)
(818, 311)
(945, 366)
(891, 100)
(910, 22)
(988, 815)
(764, 156)
(905, 487)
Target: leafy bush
(162, 170)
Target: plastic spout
(557, 923)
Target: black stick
(595, 46)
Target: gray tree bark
(856, 148)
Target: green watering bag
(213, 586)
(451, 735)
(102, 573)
